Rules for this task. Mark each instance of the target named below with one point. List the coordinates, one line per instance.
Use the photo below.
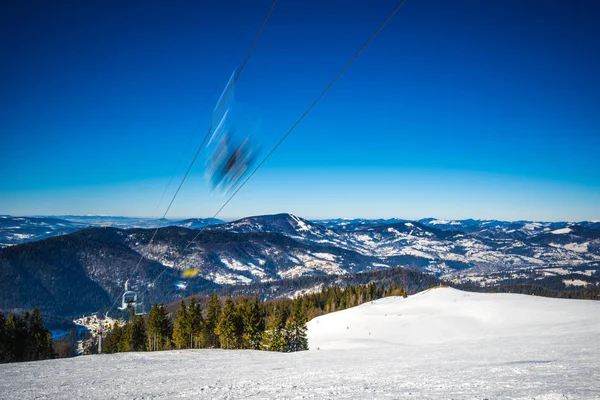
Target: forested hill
(77, 273)
(85, 271)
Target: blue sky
(458, 109)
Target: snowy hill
(287, 224)
(438, 344)
(446, 315)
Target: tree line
(238, 323)
(24, 338)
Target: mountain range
(85, 270)
(18, 230)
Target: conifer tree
(196, 325)
(213, 315)
(17, 329)
(3, 338)
(227, 326)
(274, 338)
(153, 328)
(181, 330)
(135, 334)
(372, 291)
(40, 340)
(113, 343)
(241, 308)
(296, 328)
(253, 324)
(159, 328)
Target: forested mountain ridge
(86, 270)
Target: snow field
(438, 344)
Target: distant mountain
(17, 230)
(86, 269)
(196, 223)
(494, 228)
(130, 222)
(590, 224)
(481, 228)
(81, 272)
(289, 225)
(347, 224)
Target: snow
(438, 344)
(227, 279)
(554, 271)
(394, 231)
(315, 289)
(443, 222)
(301, 226)
(380, 265)
(575, 282)
(295, 272)
(325, 256)
(20, 236)
(236, 265)
(293, 259)
(532, 226)
(562, 231)
(444, 315)
(577, 247)
(439, 222)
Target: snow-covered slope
(439, 344)
(446, 315)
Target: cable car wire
(304, 114)
(214, 120)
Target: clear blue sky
(483, 109)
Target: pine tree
(40, 345)
(240, 309)
(227, 326)
(181, 331)
(153, 328)
(213, 315)
(196, 325)
(135, 334)
(113, 339)
(124, 336)
(372, 291)
(159, 328)
(17, 337)
(274, 338)
(4, 349)
(253, 323)
(296, 328)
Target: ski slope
(444, 316)
(438, 344)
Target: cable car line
(304, 114)
(216, 115)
